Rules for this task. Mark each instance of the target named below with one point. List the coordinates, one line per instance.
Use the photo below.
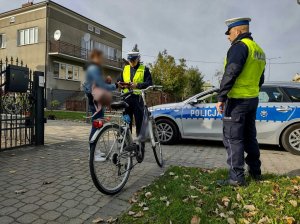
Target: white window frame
(28, 36)
(3, 40)
(97, 30)
(67, 66)
(90, 27)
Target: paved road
(57, 185)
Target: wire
(188, 60)
(215, 62)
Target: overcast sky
(194, 29)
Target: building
(51, 38)
(296, 77)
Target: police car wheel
(291, 139)
(167, 131)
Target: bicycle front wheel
(109, 166)
(156, 146)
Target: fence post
(38, 85)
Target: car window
(293, 93)
(209, 98)
(270, 94)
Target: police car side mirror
(193, 102)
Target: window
(270, 94)
(90, 28)
(28, 36)
(2, 41)
(76, 73)
(97, 30)
(209, 98)
(56, 70)
(62, 71)
(294, 93)
(65, 71)
(70, 72)
(111, 53)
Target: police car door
(274, 109)
(200, 118)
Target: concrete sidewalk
(56, 183)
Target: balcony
(79, 54)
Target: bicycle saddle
(119, 105)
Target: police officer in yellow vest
(238, 101)
(139, 77)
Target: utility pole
(270, 66)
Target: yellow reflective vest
(247, 83)
(138, 77)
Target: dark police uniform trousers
(136, 109)
(240, 136)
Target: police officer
(238, 101)
(139, 77)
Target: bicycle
(116, 144)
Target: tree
(194, 82)
(219, 75)
(135, 48)
(166, 72)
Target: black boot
(230, 182)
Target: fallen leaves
(139, 214)
(195, 219)
(20, 191)
(250, 208)
(239, 197)
(264, 220)
(293, 203)
(225, 201)
(98, 220)
(148, 195)
(289, 220)
(47, 182)
(231, 221)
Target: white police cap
(237, 22)
(132, 55)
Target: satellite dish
(87, 37)
(57, 35)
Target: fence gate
(19, 109)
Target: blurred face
(233, 34)
(98, 59)
(134, 62)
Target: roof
(282, 83)
(47, 2)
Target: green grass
(67, 115)
(193, 192)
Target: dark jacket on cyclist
(136, 105)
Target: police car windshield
(201, 94)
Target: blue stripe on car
(269, 114)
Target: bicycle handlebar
(154, 87)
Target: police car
(277, 120)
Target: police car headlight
(151, 109)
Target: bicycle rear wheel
(111, 175)
(157, 149)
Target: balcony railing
(72, 50)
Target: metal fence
(17, 111)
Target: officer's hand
(119, 85)
(133, 85)
(220, 107)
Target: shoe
(99, 156)
(230, 182)
(100, 153)
(256, 177)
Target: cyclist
(94, 75)
(139, 77)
